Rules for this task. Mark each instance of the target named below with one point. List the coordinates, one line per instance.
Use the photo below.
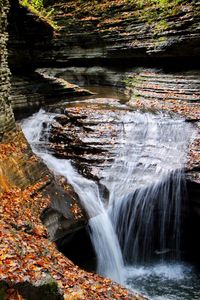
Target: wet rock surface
(88, 130)
(88, 133)
(90, 75)
(31, 91)
(177, 93)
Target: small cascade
(103, 236)
(36, 129)
(146, 186)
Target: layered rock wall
(30, 91)
(6, 115)
(102, 32)
(122, 34)
(27, 32)
(94, 32)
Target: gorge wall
(30, 89)
(6, 115)
(151, 49)
(102, 32)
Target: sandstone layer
(107, 31)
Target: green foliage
(159, 3)
(160, 26)
(164, 3)
(159, 7)
(157, 12)
(2, 290)
(37, 8)
(37, 4)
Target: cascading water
(145, 184)
(103, 236)
(104, 239)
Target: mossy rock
(45, 290)
(3, 288)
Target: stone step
(165, 95)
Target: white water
(147, 184)
(146, 176)
(109, 258)
(166, 281)
(103, 236)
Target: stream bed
(100, 144)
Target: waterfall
(145, 183)
(102, 233)
(103, 236)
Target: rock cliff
(6, 115)
(29, 89)
(106, 31)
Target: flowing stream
(142, 217)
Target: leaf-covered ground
(26, 255)
(31, 257)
